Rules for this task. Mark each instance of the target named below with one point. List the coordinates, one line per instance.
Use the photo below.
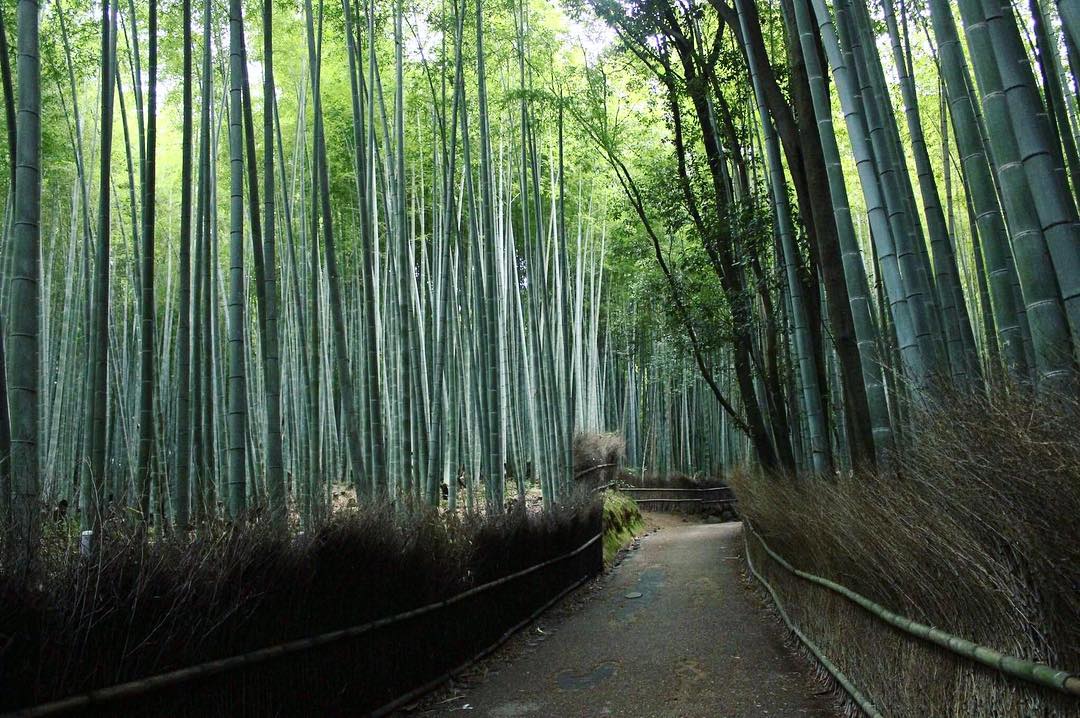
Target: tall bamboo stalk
(23, 328)
(99, 330)
(1037, 272)
(146, 305)
(237, 377)
(275, 472)
(866, 330)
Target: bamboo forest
(540, 357)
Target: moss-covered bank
(622, 520)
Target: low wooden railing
(683, 499)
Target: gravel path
(695, 642)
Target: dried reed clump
(598, 456)
(976, 531)
(143, 608)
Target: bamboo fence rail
(1038, 673)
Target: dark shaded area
(145, 610)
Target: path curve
(695, 643)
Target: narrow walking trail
(694, 643)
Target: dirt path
(694, 643)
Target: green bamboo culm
(377, 480)
(237, 378)
(190, 454)
(1050, 333)
(493, 470)
(915, 365)
(314, 361)
(1009, 314)
(959, 338)
(1070, 20)
(9, 101)
(144, 466)
(343, 371)
(182, 466)
(403, 268)
(866, 330)
(99, 329)
(275, 471)
(463, 299)
(1053, 82)
(857, 36)
(1041, 158)
(23, 327)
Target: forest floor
(672, 631)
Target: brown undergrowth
(976, 531)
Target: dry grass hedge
(598, 456)
(976, 532)
(146, 609)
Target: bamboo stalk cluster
(414, 306)
(806, 186)
(423, 298)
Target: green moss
(622, 521)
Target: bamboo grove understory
(261, 258)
